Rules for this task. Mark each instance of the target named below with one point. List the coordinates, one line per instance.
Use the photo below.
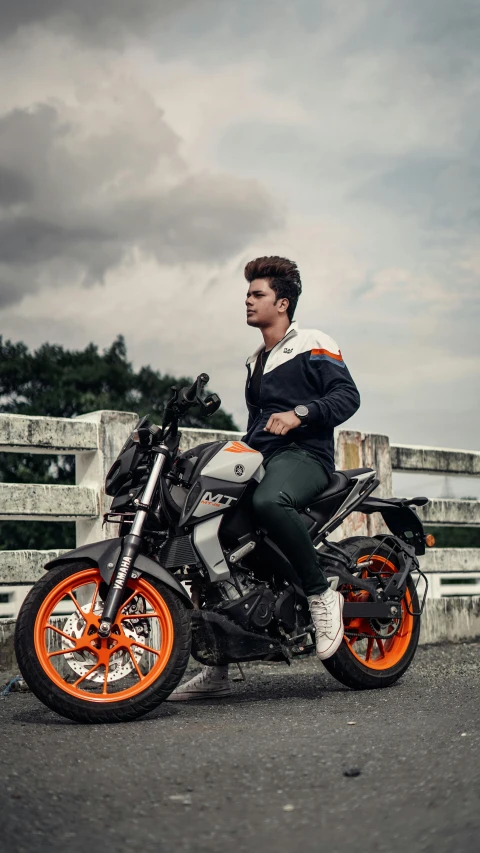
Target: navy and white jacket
(305, 368)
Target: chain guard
(376, 633)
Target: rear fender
(401, 520)
(105, 555)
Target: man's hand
(282, 422)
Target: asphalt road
(263, 771)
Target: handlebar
(182, 401)
(191, 393)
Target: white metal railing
(95, 440)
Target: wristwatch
(302, 413)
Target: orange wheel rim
(373, 651)
(87, 667)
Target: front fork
(131, 547)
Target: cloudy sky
(149, 149)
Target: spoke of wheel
(369, 648)
(380, 647)
(58, 631)
(82, 614)
(127, 602)
(139, 672)
(95, 596)
(352, 640)
(105, 680)
(140, 616)
(66, 651)
(97, 665)
(145, 648)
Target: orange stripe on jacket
(337, 356)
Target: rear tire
(362, 670)
(33, 644)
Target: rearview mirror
(211, 404)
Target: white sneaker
(326, 611)
(211, 683)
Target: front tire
(372, 654)
(90, 680)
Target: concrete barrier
(453, 619)
(8, 663)
(96, 438)
(444, 620)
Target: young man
(298, 389)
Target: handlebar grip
(191, 392)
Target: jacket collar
(291, 331)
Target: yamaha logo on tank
(239, 470)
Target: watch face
(301, 411)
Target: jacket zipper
(263, 373)
(260, 410)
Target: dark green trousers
(293, 479)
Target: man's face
(262, 309)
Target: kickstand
(242, 674)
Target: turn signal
(430, 540)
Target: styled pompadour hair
(283, 277)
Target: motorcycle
(106, 634)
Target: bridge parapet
(96, 438)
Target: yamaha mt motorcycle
(106, 634)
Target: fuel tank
(219, 483)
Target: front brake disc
(120, 664)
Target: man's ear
(283, 304)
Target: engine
(248, 603)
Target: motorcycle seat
(352, 473)
(341, 480)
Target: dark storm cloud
(88, 208)
(28, 240)
(92, 19)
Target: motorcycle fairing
(201, 503)
(105, 555)
(188, 463)
(235, 462)
(207, 544)
(220, 469)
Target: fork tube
(131, 547)
(147, 496)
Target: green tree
(59, 382)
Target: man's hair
(283, 276)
